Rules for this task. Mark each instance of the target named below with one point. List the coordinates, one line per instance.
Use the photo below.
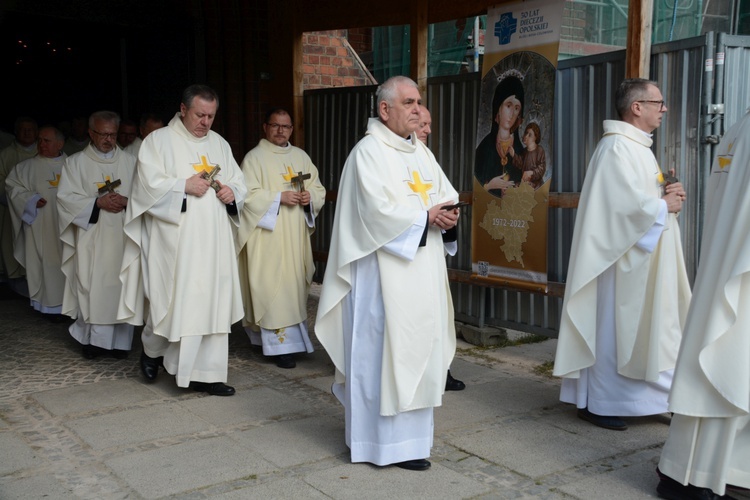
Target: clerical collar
(30, 147)
(104, 156)
(407, 138)
(646, 134)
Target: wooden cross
(298, 182)
(209, 176)
(109, 187)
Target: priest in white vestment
(93, 193)
(276, 260)
(709, 438)
(180, 252)
(79, 136)
(149, 123)
(385, 314)
(32, 196)
(423, 132)
(23, 148)
(127, 135)
(627, 291)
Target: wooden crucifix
(209, 176)
(109, 187)
(298, 182)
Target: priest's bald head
(398, 105)
(639, 102)
(198, 109)
(50, 142)
(425, 125)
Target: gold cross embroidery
(420, 187)
(290, 174)
(107, 179)
(203, 166)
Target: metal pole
(476, 44)
(706, 142)
(718, 128)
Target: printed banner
(513, 161)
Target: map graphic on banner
(512, 170)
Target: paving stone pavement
(73, 428)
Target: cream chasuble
(386, 187)
(184, 263)
(36, 233)
(709, 439)
(134, 147)
(619, 205)
(11, 156)
(276, 263)
(92, 252)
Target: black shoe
(214, 388)
(58, 318)
(91, 351)
(120, 353)
(285, 361)
(613, 423)
(674, 490)
(150, 367)
(420, 464)
(451, 384)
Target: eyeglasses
(276, 126)
(660, 103)
(106, 136)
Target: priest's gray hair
(104, 116)
(629, 91)
(388, 90)
(198, 90)
(58, 133)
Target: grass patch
(545, 369)
(526, 339)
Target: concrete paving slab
(88, 397)
(254, 405)
(642, 432)
(247, 377)
(525, 356)
(492, 400)
(283, 489)
(365, 481)
(297, 442)
(632, 480)
(473, 374)
(163, 387)
(137, 425)
(322, 383)
(35, 487)
(16, 454)
(184, 467)
(532, 447)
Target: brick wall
(328, 61)
(574, 22)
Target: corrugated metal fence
(335, 119)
